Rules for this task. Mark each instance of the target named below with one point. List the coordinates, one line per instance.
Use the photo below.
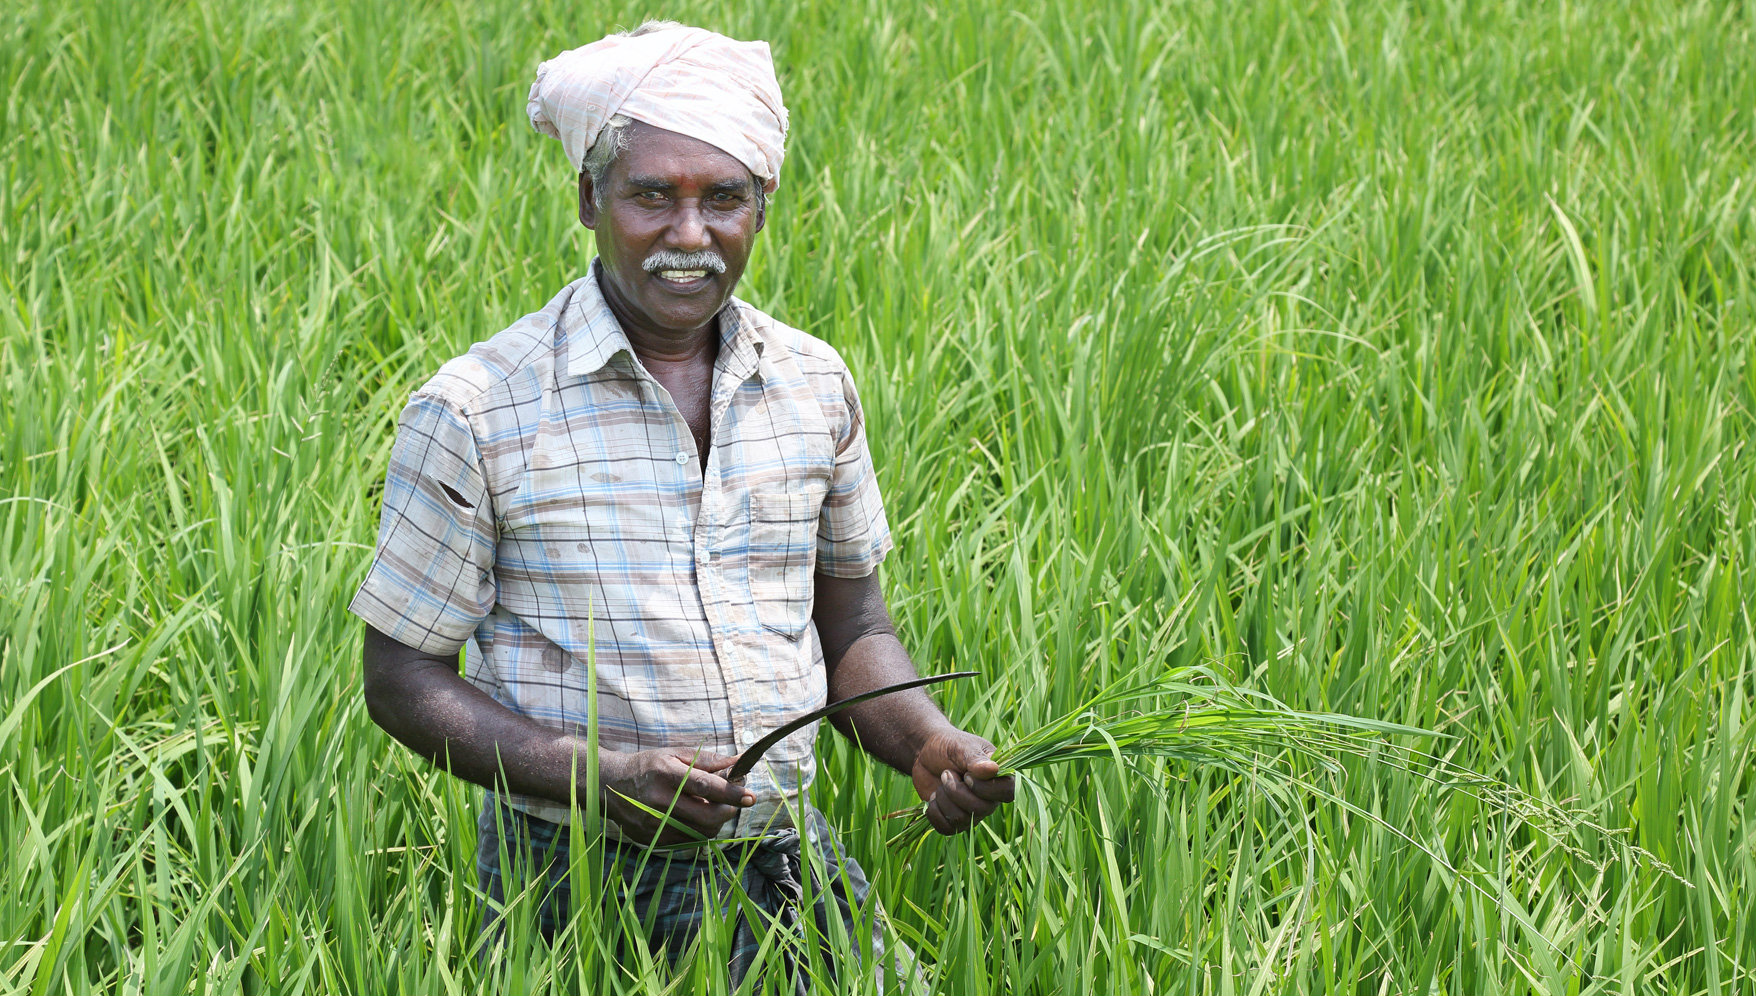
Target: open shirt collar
(595, 338)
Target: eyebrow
(663, 184)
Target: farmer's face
(672, 194)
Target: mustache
(670, 259)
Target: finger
(964, 797)
(936, 817)
(707, 760)
(952, 817)
(982, 768)
(670, 835)
(687, 818)
(636, 824)
(703, 817)
(995, 790)
(713, 788)
(969, 749)
(675, 833)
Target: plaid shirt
(544, 496)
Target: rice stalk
(1195, 716)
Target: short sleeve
(432, 575)
(852, 534)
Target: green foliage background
(1394, 355)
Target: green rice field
(1392, 359)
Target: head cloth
(687, 80)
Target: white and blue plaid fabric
(544, 496)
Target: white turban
(687, 80)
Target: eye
(650, 196)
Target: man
(655, 487)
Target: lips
(682, 281)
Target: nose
(689, 230)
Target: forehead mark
(657, 159)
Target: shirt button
(682, 458)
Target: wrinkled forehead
(655, 154)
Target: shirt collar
(740, 345)
(594, 337)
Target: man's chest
(605, 511)
(622, 441)
(691, 392)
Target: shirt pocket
(783, 556)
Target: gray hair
(612, 141)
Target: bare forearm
(860, 653)
(433, 711)
(952, 770)
(891, 728)
(423, 702)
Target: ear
(588, 205)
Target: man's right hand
(680, 782)
(422, 701)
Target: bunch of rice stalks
(1194, 716)
(1208, 722)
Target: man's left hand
(959, 780)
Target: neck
(654, 344)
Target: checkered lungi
(668, 888)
